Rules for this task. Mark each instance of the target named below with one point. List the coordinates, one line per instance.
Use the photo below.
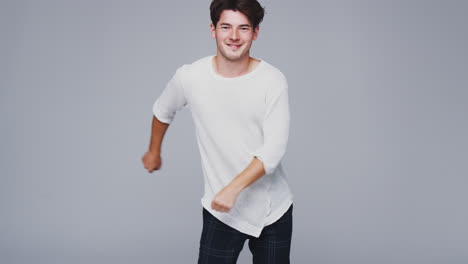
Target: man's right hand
(151, 161)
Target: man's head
(235, 24)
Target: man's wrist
(155, 151)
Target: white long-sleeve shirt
(236, 119)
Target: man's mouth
(234, 46)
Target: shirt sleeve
(275, 127)
(172, 98)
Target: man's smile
(234, 46)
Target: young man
(240, 109)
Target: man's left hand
(225, 199)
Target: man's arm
(225, 199)
(152, 158)
(171, 100)
(158, 131)
(249, 175)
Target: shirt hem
(161, 118)
(272, 218)
(243, 227)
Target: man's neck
(231, 69)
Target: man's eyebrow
(227, 24)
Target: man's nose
(234, 35)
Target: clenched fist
(225, 199)
(151, 161)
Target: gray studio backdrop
(378, 145)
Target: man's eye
(224, 27)
(244, 29)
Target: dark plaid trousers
(222, 244)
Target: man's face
(234, 35)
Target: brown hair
(250, 8)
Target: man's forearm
(158, 130)
(249, 175)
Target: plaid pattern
(222, 244)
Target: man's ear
(212, 30)
(257, 29)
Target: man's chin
(233, 57)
